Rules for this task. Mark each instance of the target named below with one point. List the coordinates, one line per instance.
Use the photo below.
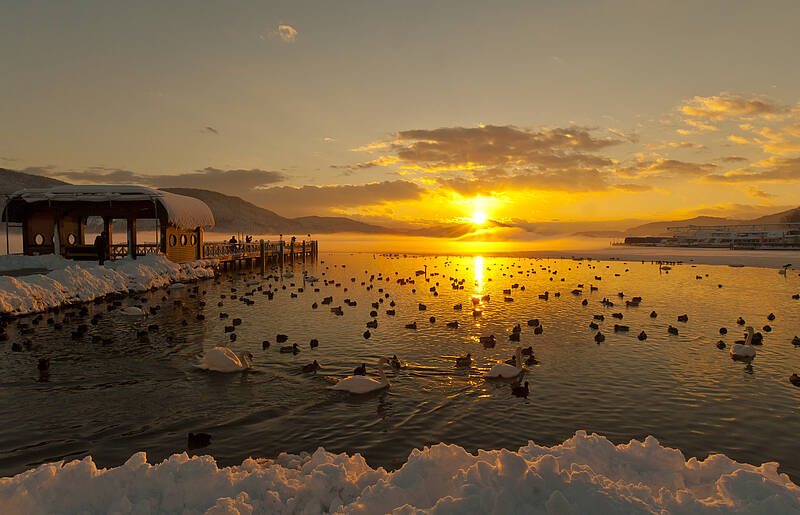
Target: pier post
(304, 251)
(280, 257)
(291, 251)
(263, 258)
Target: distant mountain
(11, 181)
(234, 214)
(660, 228)
(790, 215)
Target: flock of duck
(222, 359)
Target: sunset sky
(415, 112)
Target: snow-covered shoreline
(71, 282)
(585, 474)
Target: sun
(479, 218)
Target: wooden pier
(238, 255)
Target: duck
(360, 371)
(198, 440)
(794, 379)
(672, 330)
(290, 348)
(796, 340)
(744, 351)
(599, 337)
(642, 336)
(361, 384)
(312, 367)
(504, 370)
(531, 361)
(683, 318)
(520, 391)
(395, 362)
(464, 361)
(222, 359)
(720, 344)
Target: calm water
(112, 400)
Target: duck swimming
(464, 361)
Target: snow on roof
(184, 212)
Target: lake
(111, 399)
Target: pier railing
(276, 252)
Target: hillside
(660, 228)
(11, 181)
(234, 214)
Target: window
(173, 240)
(38, 239)
(194, 239)
(183, 239)
(71, 239)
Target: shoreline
(585, 473)
(69, 283)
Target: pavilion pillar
(57, 236)
(132, 238)
(109, 240)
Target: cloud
(733, 159)
(782, 141)
(756, 192)
(224, 181)
(492, 145)
(210, 130)
(326, 139)
(285, 33)
(676, 144)
(664, 167)
(729, 105)
(632, 187)
(296, 201)
(774, 170)
(572, 181)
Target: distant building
(746, 236)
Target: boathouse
(54, 220)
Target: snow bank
(81, 281)
(585, 474)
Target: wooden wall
(182, 245)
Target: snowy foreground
(585, 474)
(66, 282)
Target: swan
(222, 359)
(133, 311)
(504, 370)
(746, 350)
(312, 279)
(363, 384)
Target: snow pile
(585, 474)
(14, 262)
(81, 281)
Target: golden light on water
(477, 264)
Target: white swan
(222, 359)
(504, 370)
(132, 311)
(744, 351)
(363, 384)
(288, 275)
(312, 279)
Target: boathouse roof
(179, 210)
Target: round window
(194, 239)
(183, 239)
(71, 239)
(173, 240)
(38, 239)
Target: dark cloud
(733, 159)
(210, 130)
(297, 201)
(666, 168)
(633, 188)
(500, 146)
(573, 181)
(780, 170)
(224, 181)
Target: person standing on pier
(101, 246)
